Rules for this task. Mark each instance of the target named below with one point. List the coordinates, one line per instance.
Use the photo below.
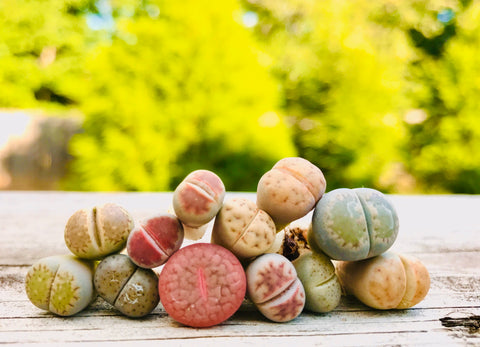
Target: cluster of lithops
(254, 253)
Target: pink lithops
(197, 200)
(274, 288)
(154, 240)
(202, 285)
(243, 228)
(97, 232)
(387, 281)
(290, 190)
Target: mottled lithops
(274, 288)
(154, 240)
(388, 281)
(353, 224)
(317, 274)
(61, 284)
(202, 285)
(243, 228)
(132, 290)
(97, 232)
(197, 200)
(290, 190)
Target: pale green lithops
(132, 290)
(61, 284)
(317, 274)
(353, 224)
(243, 228)
(387, 281)
(97, 232)
(315, 270)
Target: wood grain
(442, 231)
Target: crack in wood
(472, 323)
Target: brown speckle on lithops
(243, 228)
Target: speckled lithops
(132, 290)
(274, 288)
(197, 200)
(61, 284)
(97, 232)
(317, 274)
(353, 224)
(243, 228)
(388, 281)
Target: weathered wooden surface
(443, 231)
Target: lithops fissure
(97, 232)
(274, 288)
(61, 284)
(243, 228)
(290, 190)
(198, 198)
(130, 289)
(353, 224)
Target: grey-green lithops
(317, 274)
(61, 284)
(353, 224)
(97, 232)
(130, 289)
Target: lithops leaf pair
(97, 232)
(290, 190)
(154, 240)
(130, 289)
(322, 287)
(353, 224)
(243, 228)
(197, 200)
(274, 288)
(388, 281)
(61, 284)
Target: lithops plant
(202, 285)
(132, 290)
(154, 240)
(243, 228)
(353, 224)
(290, 190)
(61, 284)
(197, 200)
(274, 288)
(387, 281)
(315, 270)
(97, 232)
(317, 274)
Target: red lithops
(273, 286)
(202, 285)
(153, 241)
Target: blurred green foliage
(382, 94)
